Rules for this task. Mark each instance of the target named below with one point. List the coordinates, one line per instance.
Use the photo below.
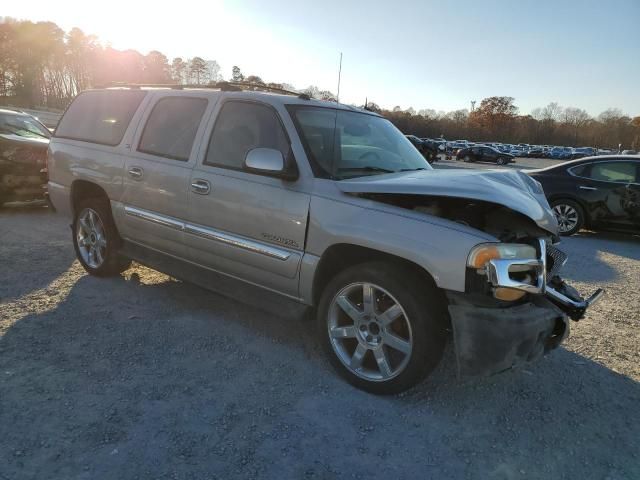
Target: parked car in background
(560, 153)
(629, 152)
(534, 152)
(594, 192)
(428, 149)
(582, 152)
(481, 153)
(23, 150)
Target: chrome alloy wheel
(369, 332)
(567, 217)
(91, 238)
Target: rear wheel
(96, 239)
(569, 215)
(381, 327)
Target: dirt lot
(145, 377)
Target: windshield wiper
(366, 169)
(412, 169)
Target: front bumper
(491, 338)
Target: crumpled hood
(511, 188)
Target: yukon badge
(281, 240)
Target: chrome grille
(555, 260)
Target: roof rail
(223, 86)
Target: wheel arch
(341, 256)
(83, 189)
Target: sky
(410, 53)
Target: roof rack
(223, 86)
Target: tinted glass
(344, 144)
(241, 127)
(100, 116)
(22, 126)
(172, 126)
(614, 172)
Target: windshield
(343, 144)
(23, 126)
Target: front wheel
(569, 215)
(501, 161)
(467, 158)
(382, 327)
(96, 239)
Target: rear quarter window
(100, 116)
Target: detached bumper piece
(489, 340)
(569, 300)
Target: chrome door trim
(250, 245)
(154, 218)
(209, 233)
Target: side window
(100, 116)
(171, 128)
(241, 127)
(580, 170)
(623, 172)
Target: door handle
(200, 186)
(582, 187)
(135, 173)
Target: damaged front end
(516, 308)
(23, 174)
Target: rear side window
(241, 127)
(624, 172)
(100, 116)
(172, 127)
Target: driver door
(244, 224)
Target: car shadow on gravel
(144, 377)
(621, 244)
(590, 255)
(31, 256)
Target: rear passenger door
(245, 224)
(157, 172)
(615, 184)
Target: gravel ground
(145, 377)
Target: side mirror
(267, 161)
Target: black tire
(113, 262)
(502, 161)
(426, 315)
(468, 159)
(558, 204)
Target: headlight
(481, 254)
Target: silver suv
(292, 202)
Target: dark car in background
(481, 153)
(23, 151)
(596, 192)
(428, 149)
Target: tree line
(497, 120)
(42, 66)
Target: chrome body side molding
(209, 233)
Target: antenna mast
(339, 75)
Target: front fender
(429, 243)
